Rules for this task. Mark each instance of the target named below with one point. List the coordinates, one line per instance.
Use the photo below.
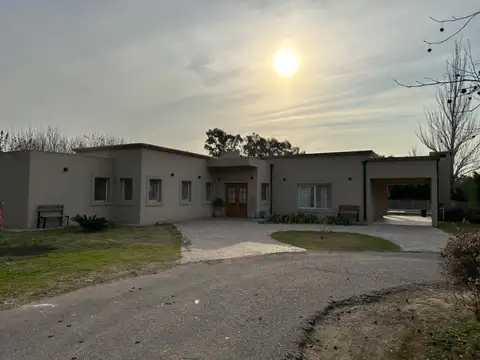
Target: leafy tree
(252, 145)
(218, 142)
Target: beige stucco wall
(263, 176)
(128, 164)
(344, 173)
(14, 179)
(161, 165)
(445, 175)
(49, 184)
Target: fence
(403, 204)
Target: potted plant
(218, 205)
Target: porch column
(434, 201)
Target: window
(231, 195)
(101, 189)
(265, 195)
(186, 195)
(242, 196)
(155, 190)
(209, 191)
(315, 196)
(126, 186)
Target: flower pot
(217, 213)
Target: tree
(218, 141)
(452, 126)
(3, 141)
(471, 79)
(414, 151)
(52, 139)
(252, 145)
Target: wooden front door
(236, 200)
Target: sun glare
(286, 62)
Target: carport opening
(402, 201)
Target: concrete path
(239, 309)
(212, 239)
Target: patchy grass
(414, 325)
(341, 241)
(42, 263)
(458, 226)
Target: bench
(45, 212)
(349, 210)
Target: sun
(286, 62)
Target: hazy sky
(164, 72)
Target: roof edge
(326, 154)
(406, 158)
(142, 146)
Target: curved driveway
(229, 238)
(249, 308)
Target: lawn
(42, 263)
(412, 325)
(458, 226)
(341, 241)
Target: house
(145, 184)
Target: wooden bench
(348, 210)
(45, 212)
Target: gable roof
(142, 146)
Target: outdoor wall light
(251, 177)
(349, 178)
(172, 174)
(65, 169)
(284, 179)
(218, 179)
(199, 176)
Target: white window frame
(159, 200)
(267, 198)
(108, 187)
(190, 191)
(122, 189)
(212, 193)
(329, 201)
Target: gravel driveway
(212, 239)
(240, 309)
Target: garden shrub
(91, 223)
(460, 264)
(302, 218)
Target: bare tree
(53, 139)
(471, 77)
(452, 126)
(415, 151)
(3, 141)
(96, 139)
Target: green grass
(341, 241)
(454, 340)
(459, 340)
(41, 263)
(457, 227)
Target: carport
(381, 172)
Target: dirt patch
(403, 325)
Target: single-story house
(145, 184)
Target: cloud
(163, 72)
